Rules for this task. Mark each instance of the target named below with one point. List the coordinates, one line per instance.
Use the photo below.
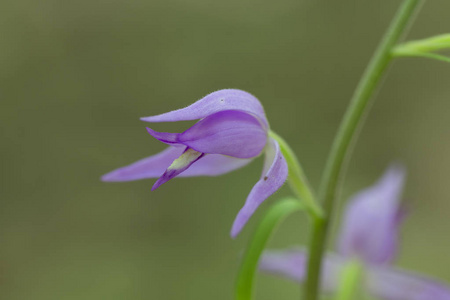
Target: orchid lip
(178, 166)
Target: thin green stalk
(297, 178)
(346, 133)
(274, 216)
(350, 281)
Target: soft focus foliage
(367, 246)
(76, 76)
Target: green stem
(350, 281)
(346, 132)
(297, 179)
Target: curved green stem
(297, 178)
(346, 132)
(279, 211)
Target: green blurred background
(75, 76)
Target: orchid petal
(230, 132)
(214, 165)
(292, 264)
(273, 176)
(228, 99)
(372, 219)
(395, 284)
(150, 167)
(154, 166)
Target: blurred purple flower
(233, 130)
(368, 234)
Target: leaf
(425, 48)
(249, 265)
(429, 55)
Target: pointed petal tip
(165, 137)
(113, 176)
(107, 177)
(235, 229)
(156, 185)
(169, 174)
(233, 235)
(150, 131)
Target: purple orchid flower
(369, 235)
(232, 131)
